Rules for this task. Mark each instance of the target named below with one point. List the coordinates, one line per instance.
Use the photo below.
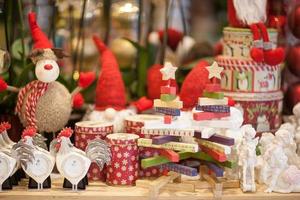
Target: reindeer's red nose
(48, 67)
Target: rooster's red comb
(29, 131)
(4, 126)
(66, 132)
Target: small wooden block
(213, 87)
(167, 97)
(218, 171)
(189, 171)
(168, 90)
(220, 139)
(159, 160)
(214, 108)
(214, 95)
(221, 157)
(168, 111)
(197, 134)
(176, 146)
(204, 156)
(199, 116)
(215, 146)
(168, 131)
(171, 155)
(168, 104)
(167, 119)
(164, 139)
(153, 161)
(204, 101)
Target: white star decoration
(168, 71)
(214, 70)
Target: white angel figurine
(289, 147)
(247, 158)
(284, 178)
(264, 170)
(297, 140)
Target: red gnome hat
(193, 85)
(154, 82)
(110, 90)
(41, 41)
(174, 37)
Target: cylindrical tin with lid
(262, 110)
(123, 169)
(134, 124)
(86, 131)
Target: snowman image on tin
(271, 81)
(262, 123)
(242, 81)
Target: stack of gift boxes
(255, 86)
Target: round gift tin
(123, 169)
(237, 42)
(262, 110)
(134, 124)
(86, 131)
(247, 76)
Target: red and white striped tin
(134, 124)
(248, 76)
(123, 169)
(86, 131)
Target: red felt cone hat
(110, 90)
(193, 85)
(40, 39)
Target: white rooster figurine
(73, 163)
(35, 161)
(8, 164)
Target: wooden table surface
(100, 191)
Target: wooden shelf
(100, 191)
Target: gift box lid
(122, 139)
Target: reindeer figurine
(46, 104)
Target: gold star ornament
(214, 71)
(168, 71)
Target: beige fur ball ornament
(45, 103)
